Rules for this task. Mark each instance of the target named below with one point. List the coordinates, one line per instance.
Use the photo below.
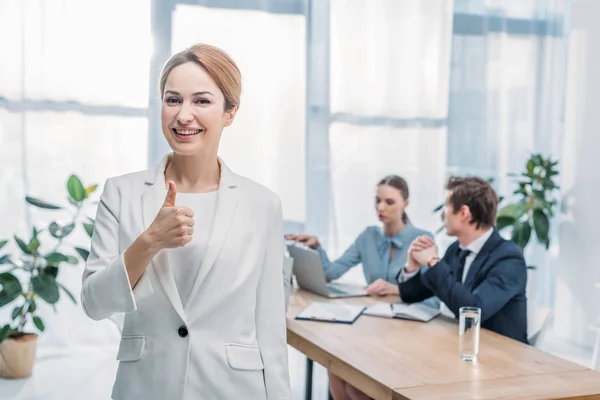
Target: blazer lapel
(493, 242)
(227, 198)
(152, 200)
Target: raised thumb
(171, 194)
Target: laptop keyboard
(334, 291)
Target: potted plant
(32, 276)
(535, 204)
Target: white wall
(577, 266)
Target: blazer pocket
(244, 357)
(131, 348)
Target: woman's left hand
(382, 288)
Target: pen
(324, 319)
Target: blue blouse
(372, 249)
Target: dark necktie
(462, 256)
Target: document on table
(331, 312)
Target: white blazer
(233, 324)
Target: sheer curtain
(388, 84)
(507, 100)
(575, 266)
(72, 100)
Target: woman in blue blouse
(382, 251)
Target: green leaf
(50, 270)
(3, 243)
(438, 208)
(34, 245)
(504, 222)
(38, 323)
(68, 293)
(548, 207)
(16, 311)
(10, 288)
(538, 204)
(60, 232)
(72, 260)
(32, 306)
(22, 245)
(89, 228)
(514, 211)
(530, 166)
(539, 194)
(521, 234)
(89, 190)
(75, 188)
(83, 253)
(4, 332)
(542, 227)
(41, 203)
(8, 259)
(55, 258)
(45, 286)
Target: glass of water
(468, 333)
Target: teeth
(188, 132)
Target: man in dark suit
(480, 269)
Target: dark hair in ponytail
(399, 183)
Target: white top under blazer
(230, 333)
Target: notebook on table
(423, 312)
(331, 312)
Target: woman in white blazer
(192, 254)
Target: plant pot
(17, 355)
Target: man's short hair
(478, 195)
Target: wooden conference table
(400, 359)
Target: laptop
(310, 275)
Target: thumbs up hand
(173, 226)
(171, 194)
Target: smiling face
(193, 111)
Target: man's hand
(382, 288)
(418, 245)
(423, 256)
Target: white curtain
(506, 102)
(73, 93)
(389, 73)
(575, 263)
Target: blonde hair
(218, 64)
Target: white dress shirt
(475, 247)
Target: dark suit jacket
(495, 283)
